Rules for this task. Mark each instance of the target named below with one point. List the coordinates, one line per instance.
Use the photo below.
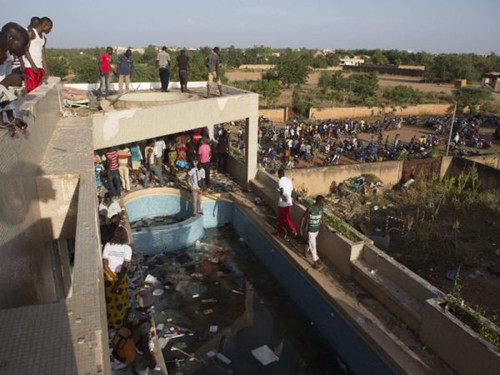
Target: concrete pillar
(251, 146)
(211, 132)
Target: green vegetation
(448, 67)
(447, 221)
(473, 316)
(269, 89)
(474, 98)
(332, 220)
(292, 68)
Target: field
(384, 81)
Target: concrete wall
(58, 196)
(119, 127)
(26, 261)
(318, 180)
(256, 66)
(456, 343)
(236, 168)
(354, 112)
(279, 114)
(491, 160)
(489, 177)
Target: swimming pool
(348, 352)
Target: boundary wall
(355, 112)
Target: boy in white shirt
(196, 181)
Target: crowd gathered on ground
(332, 142)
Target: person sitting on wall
(14, 40)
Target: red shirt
(104, 62)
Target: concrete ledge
(331, 244)
(413, 284)
(389, 172)
(463, 349)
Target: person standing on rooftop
(34, 61)
(183, 65)
(104, 67)
(212, 64)
(163, 65)
(125, 68)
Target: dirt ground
(385, 80)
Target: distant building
(119, 49)
(492, 80)
(351, 61)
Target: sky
(436, 26)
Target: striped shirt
(123, 156)
(112, 157)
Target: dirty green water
(221, 283)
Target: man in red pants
(34, 61)
(285, 203)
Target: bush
(402, 96)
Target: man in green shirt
(314, 217)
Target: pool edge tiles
(172, 237)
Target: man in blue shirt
(124, 68)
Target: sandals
(14, 126)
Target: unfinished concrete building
(52, 306)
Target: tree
(363, 85)
(471, 97)
(402, 95)
(270, 91)
(86, 70)
(292, 68)
(144, 73)
(233, 57)
(325, 81)
(57, 66)
(448, 67)
(379, 58)
(337, 81)
(301, 104)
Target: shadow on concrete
(18, 193)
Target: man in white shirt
(109, 207)
(163, 65)
(196, 181)
(160, 147)
(151, 163)
(285, 203)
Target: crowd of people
(150, 163)
(125, 68)
(335, 141)
(22, 61)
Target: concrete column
(251, 146)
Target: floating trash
(158, 292)
(265, 355)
